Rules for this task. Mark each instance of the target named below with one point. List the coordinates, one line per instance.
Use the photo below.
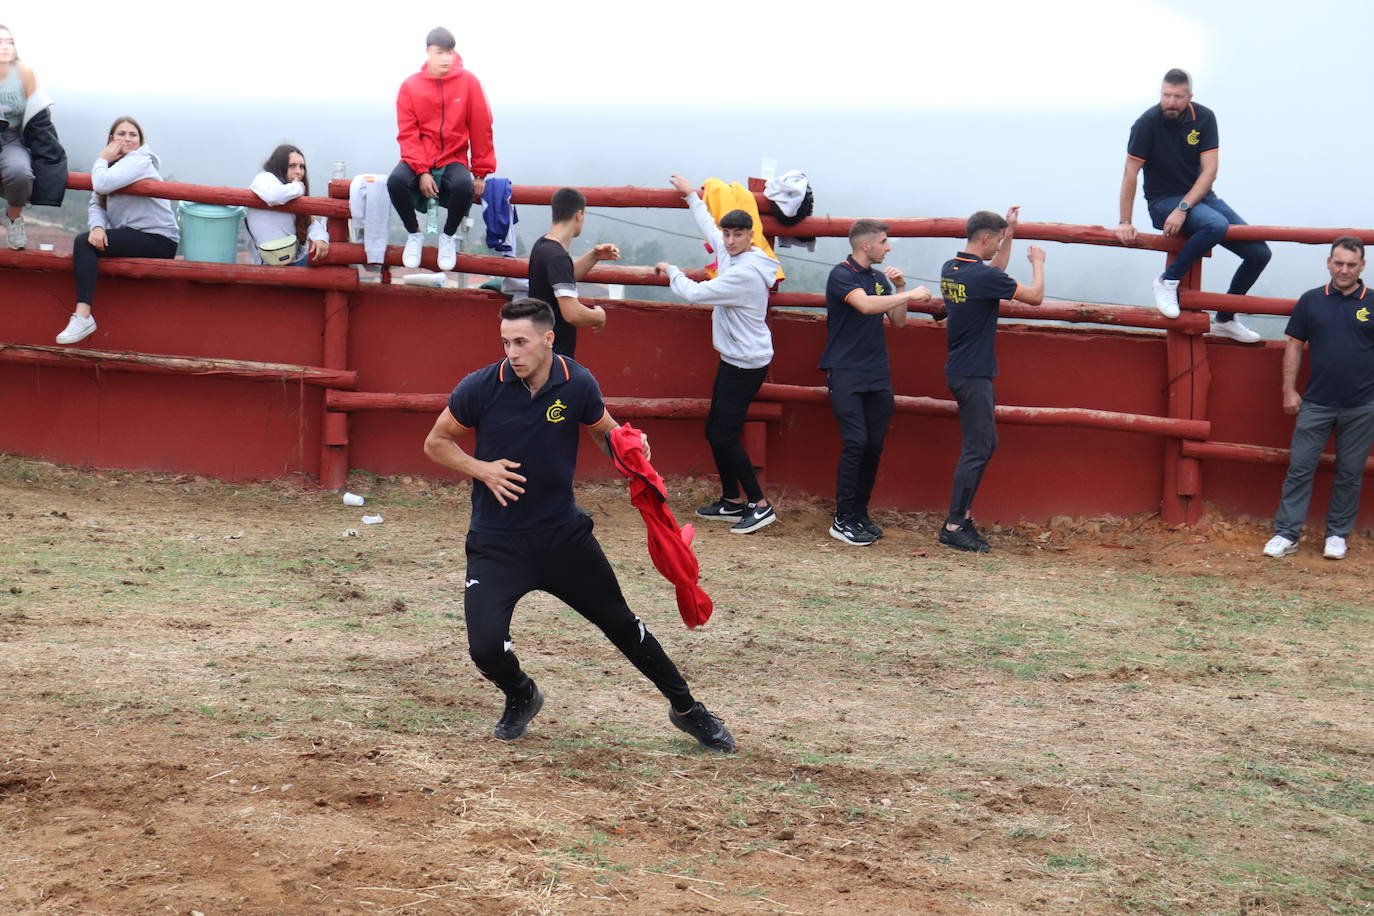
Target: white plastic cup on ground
(352, 499)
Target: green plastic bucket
(210, 232)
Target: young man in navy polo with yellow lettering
(856, 369)
(1176, 143)
(1336, 322)
(973, 292)
(527, 533)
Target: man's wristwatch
(1184, 206)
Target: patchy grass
(1057, 728)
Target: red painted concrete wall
(414, 340)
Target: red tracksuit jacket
(670, 547)
(438, 118)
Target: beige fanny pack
(279, 252)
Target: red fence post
(334, 430)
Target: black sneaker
(966, 538)
(851, 531)
(969, 526)
(754, 518)
(706, 727)
(870, 526)
(518, 714)
(722, 509)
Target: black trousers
(119, 243)
(863, 408)
(977, 422)
(456, 192)
(567, 562)
(730, 398)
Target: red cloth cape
(670, 547)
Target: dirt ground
(240, 699)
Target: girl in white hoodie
(122, 225)
(283, 178)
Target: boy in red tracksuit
(442, 115)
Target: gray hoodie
(130, 211)
(738, 296)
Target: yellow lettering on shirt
(555, 412)
(1193, 137)
(1362, 315)
(954, 292)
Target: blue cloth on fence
(499, 214)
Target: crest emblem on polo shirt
(878, 289)
(1193, 137)
(555, 412)
(1362, 315)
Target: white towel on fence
(370, 206)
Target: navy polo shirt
(541, 433)
(973, 290)
(1338, 329)
(854, 340)
(1172, 150)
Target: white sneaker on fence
(1335, 548)
(448, 251)
(77, 329)
(410, 257)
(17, 237)
(1280, 546)
(1166, 297)
(1235, 330)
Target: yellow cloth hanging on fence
(720, 198)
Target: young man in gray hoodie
(738, 296)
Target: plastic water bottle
(340, 170)
(432, 220)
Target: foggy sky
(1289, 88)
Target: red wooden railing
(1186, 426)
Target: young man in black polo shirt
(1336, 322)
(554, 273)
(526, 531)
(1176, 143)
(856, 370)
(973, 291)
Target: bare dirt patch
(216, 701)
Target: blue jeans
(1205, 228)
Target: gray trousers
(1354, 428)
(978, 423)
(16, 168)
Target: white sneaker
(1166, 297)
(415, 241)
(17, 237)
(1280, 546)
(1235, 330)
(77, 329)
(1335, 548)
(448, 251)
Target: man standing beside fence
(857, 296)
(1176, 144)
(973, 293)
(1336, 322)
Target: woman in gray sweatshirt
(122, 225)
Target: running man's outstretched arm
(441, 447)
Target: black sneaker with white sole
(722, 509)
(851, 531)
(754, 518)
(705, 726)
(518, 714)
(870, 526)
